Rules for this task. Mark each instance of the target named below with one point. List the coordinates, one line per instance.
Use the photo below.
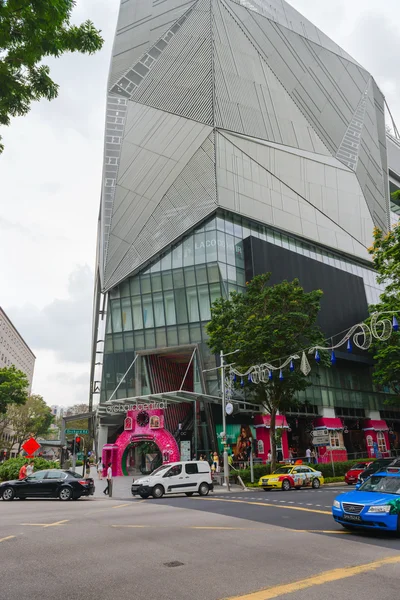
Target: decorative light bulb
(280, 375)
(333, 357)
(317, 356)
(291, 368)
(395, 324)
(349, 346)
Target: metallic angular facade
(182, 70)
(225, 119)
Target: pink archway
(141, 425)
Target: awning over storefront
(375, 425)
(328, 423)
(265, 421)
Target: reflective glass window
(118, 343)
(116, 315)
(211, 246)
(146, 284)
(161, 337)
(201, 275)
(170, 308)
(190, 278)
(199, 248)
(156, 282)
(204, 302)
(167, 281)
(213, 273)
(177, 257)
(230, 250)
(215, 292)
(135, 286)
(188, 254)
(183, 334)
(159, 317)
(125, 289)
(172, 336)
(137, 313)
(148, 318)
(166, 262)
(126, 314)
(192, 304)
(178, 278)
(150, 338)
(221, 246)
(180, 306)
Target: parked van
(174, 478)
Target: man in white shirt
(108, 490)
(308, 455)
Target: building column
(102, 439)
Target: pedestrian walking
(100, 469)
(108, 490)
(22, 472)
(308, 455)
(87, 469)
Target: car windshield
(358, 466)
(282, 470)
(73, 474)
(382, 484)
(160, 470)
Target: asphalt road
(224, 546)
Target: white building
(14, 350)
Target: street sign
(320, 437)
(80, 431)
(30, 446)
(185, 450)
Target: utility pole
(74, 453)
(251, 462)
(226, 464)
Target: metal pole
(333, 466)
(74, 454)
(251, 462)
(226, 464)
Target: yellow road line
(9, 537)
(311, 510)
(327, 577)
(46, 524)
(120, 505)
(192, 527)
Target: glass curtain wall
(168, 304)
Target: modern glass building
(239, 140)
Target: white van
(174, 478)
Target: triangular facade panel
(180, 80)
(248, 97)
(293, 192)
(190, 198)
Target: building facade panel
(14, 350)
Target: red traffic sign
(30, 446)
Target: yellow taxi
(292, 476)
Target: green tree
(267, 324)
(31, 419)
(13, 387)
(385, 252)
(31, 31)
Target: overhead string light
(379, 327)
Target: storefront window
(380, 436)
(335, 439)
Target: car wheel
(266, 489)
(189, 494)
(316, 483)
(204, 489)
(158, 491)
(8, 494)
(286, 485)
(65, 493)
(145, 495)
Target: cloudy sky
(50, 177)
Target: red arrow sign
(31, 446)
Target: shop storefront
(377, 438)
(262, 425)
(336, 450)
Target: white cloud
(50, 177)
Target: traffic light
(70, 446)
(77, 444)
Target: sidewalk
(122, 488)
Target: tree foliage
(385, 252)
(267, 324)
(31, 31)
(13, 387)
(30, 419)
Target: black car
(377, 465)
(54, 483)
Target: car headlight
(379, 509)
(336, 504)
(142, 481)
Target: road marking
(46, 524)
(122, 505)
(206, 527)
(321, 512)
(9, 537)
(326, 577)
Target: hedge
(9, 469)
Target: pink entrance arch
(142, 425)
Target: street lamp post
(226, 464)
